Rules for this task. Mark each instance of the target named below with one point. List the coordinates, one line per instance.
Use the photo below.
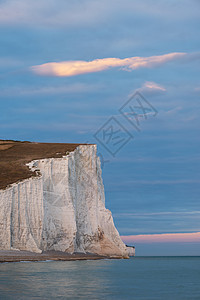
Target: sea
(134, 278)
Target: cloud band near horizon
(77, 67)
(163, 238)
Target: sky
(123, 74)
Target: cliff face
(63, 208)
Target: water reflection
(53, 279)
(137, 278)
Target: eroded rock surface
(61, 209)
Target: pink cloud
(77, 67)
(150, 85)
(163, 238)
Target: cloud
(163, 238)
(160, 182)
(160, 213)
(87, 12)
(77, 67)
(49, 90)
(150, 88)
(51, 13)
(150, 85)
(174, 110)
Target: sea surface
(136, 278)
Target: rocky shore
(17, 256)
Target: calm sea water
(136, 278)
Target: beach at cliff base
(20, 256)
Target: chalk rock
(131, 250)
(63, 208)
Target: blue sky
(152, 185)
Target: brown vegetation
(15, 154)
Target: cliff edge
(52, 198)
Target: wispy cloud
(150, 88)
(49, 90)
(153, 86)
(160, 213)
(161, 182)
(82, 13)
(48, 13)
(150, 85)
(77, 67)
(163, 238)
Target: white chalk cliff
(63, 208)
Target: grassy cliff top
(15, 154)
